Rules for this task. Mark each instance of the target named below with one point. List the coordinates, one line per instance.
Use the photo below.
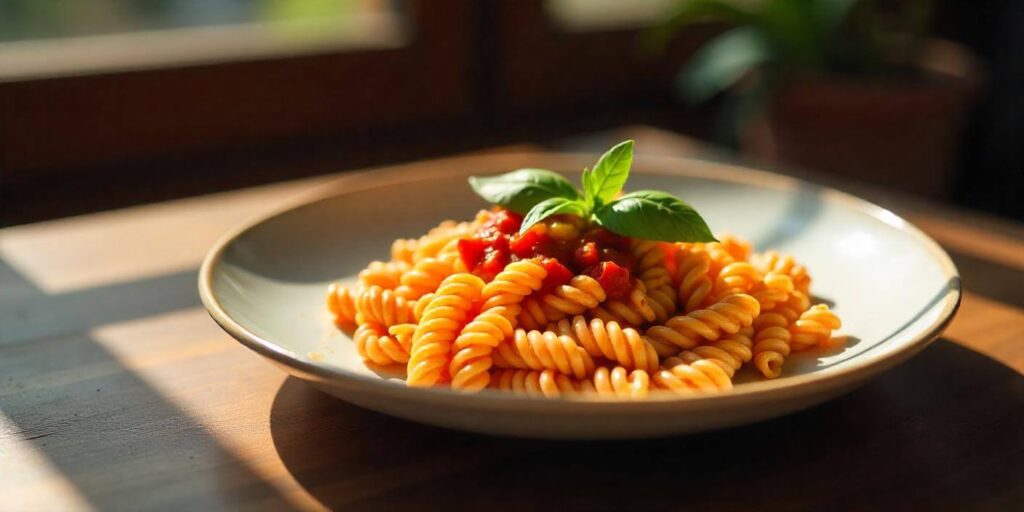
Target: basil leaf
(609, 175)
(654, 215)
(553, 206)
(522, 189)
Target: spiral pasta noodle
(617, 382)
(736, 247)
(403, 249)
(622, 345)
(580, 294)
(736, 277)
(689, 374)
(729, 352)
(382, 307)
(341, 302)
(535, 314)
(771, 343)
(442, 319)
(496, 321)
(424, 277)
(793, 306)
(429, 245)
(693, 268)
(541, 384)
(653, 272)
(686, 331)
(512, 285)
(650, 264)
(473, 347)
(772, 290)
(772, 261)
(536, 350)
(718, 255)
(375, 344)
(385, 275)
(635, 310)
(814, 328)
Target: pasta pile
(688, 318)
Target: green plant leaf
(609, 174)
(553, 206)
(797, 30)
(521, 190)
(721, 62)
(654, 215)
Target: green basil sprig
(645, 214)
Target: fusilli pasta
(567, 313)
(611, 341)
(546, 350)
(813, 328)
(442, 319)
(341, 302)
(687, 331)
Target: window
(45, 38)
(107, 81)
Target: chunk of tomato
(586, 255)
(524, 245)
(614, 278)
(493, 263)
(507, 221)
(471, 250)
(558, 274)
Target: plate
(893, 286)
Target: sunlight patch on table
(134, 243)
(28, 480)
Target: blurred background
(108, 103)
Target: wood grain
(118, 392)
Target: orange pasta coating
(533, 383)
(635, 310)
(814, 327)
(383, 275)
(611, 341)
(687, 331)
(500, 307)
(689, 374)
(374, 344)
(771, 343)
(516, 281)
(736, 277)
(729, 352)
(382, 307)
(573, 298)
(472, 360)
(619, 383)
(441, 322)
(772, 261)
(693, 268)
(424, 277)
(547, 350)
(341, 302)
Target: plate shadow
(942, 430)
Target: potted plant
(850, 87)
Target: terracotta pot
(903, 133)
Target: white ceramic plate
(894, 288)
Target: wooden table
(118, 392)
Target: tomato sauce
(596, 252)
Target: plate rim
(861, 368)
